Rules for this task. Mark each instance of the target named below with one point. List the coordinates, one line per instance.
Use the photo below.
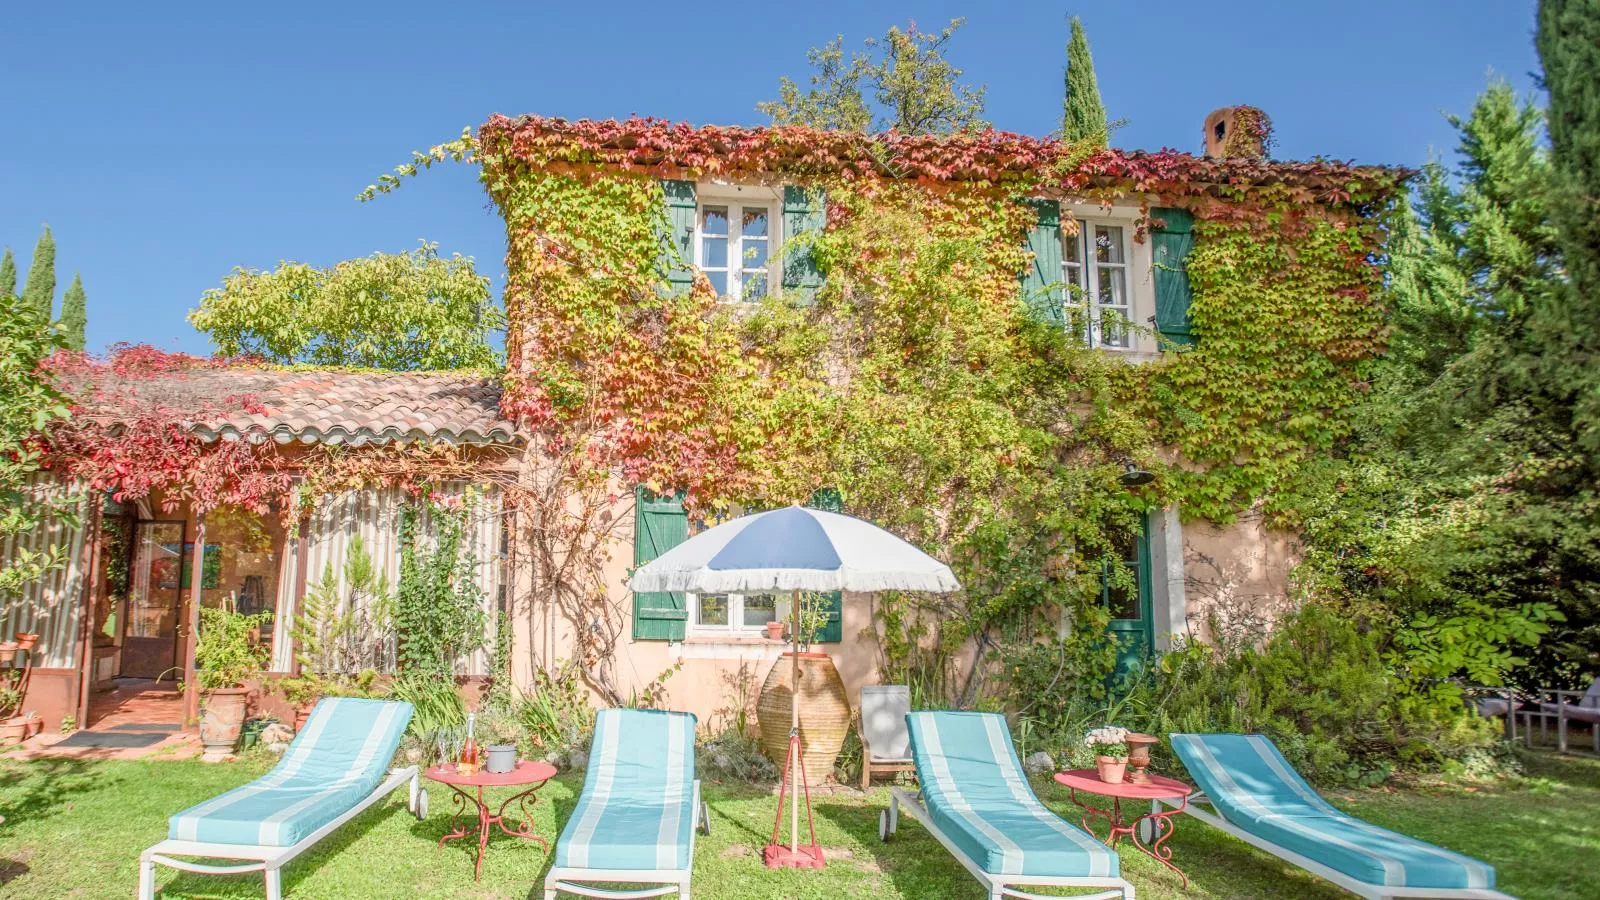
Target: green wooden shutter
(1044, 241)
(1170, 245)
(803, 212)
(659, 524)
(677, 247)
(828, 500)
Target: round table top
(526, 772)
(1157, 788)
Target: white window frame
(734, 626)
(735, 197)
(1082, 279)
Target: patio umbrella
(794, 549)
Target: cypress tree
(1083, 116)
(1569, 321)
(74, 314)
(40, 291)
(8, 276)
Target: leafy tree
(8, 275)
(405, 312)
(40, 291)
(28, 403)
(914, 89)
(1083, 116)
(74, 314)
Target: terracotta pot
(824, 713)
(11, 650)
(35, 725)
(12, 731)
(221, 717)
(1111, 768)
(301, 714)
(1139, 756)
(27, 640)
(774, 631)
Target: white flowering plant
(1109, 740)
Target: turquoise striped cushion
(1255, 789)
(339, 757)
(975, 792)
(637, 810)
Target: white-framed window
(1094, 265)
(734, 614)
(733, 242)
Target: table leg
(524, 823)
(1151, 831)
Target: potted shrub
(226, 660)
(27, 640)
(1111, 752)
(13, 728)
(825, 708)
(302, 693)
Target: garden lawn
(75, 828)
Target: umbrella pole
(794, 728)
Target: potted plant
(500, 735)
(27, 640)
(10, 650)
(302, 693)
(13, 728)
(1110, 744)
(226, 661)
(824, 706)
(775, 630)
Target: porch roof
(308, 406)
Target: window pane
(713, 609)
(758, 611)
(754, 223)
(713, 253)
(1072, 245)
(1111, 290)
(755, 285)
(1108, 243)
(719, 282)
(1124, 603)
(714, 220)
(755, 254)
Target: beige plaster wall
(1236, 577)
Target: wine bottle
(468, 764)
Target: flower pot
(774, 631)
(301, 713)
(824, 713)
(35, 725)
(27, 640)
(1139, 756)
(1111, 768)
(13, 730)
(221, 717)
(10, 650)
(500, 758)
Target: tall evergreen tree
(1083, 116)
(1569, 322)
(74, 314)
(8, 275)
(40, 291)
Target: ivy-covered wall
(924, 378)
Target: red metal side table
(1150, 830)
(526, 773)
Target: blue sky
(166, 143)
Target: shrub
(226, 652)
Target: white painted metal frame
(656, 882)
(267, 860)
(999, 886)
(1359, 888)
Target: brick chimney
(1242, 132)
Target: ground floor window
(735, 613)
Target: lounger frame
(1359, 888)
(267, 860)
(999, 886)
(657, 882)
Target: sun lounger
(636, 820)
(337, 766)
(885, 743)
(1258, 797)
(977, 802)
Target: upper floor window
(733, 244)
(1094, 265)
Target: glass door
(155, 600)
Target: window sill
(746, 647)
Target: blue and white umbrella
(794, 549)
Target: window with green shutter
(1170, 244)
(677, 246)
(659, 524)
(804, 212)
(1041, 282)
(828, 500)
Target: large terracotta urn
(824, 713)
(221, 717)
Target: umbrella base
(779, 856)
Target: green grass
(74, 829)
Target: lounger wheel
(421, 811)
(705, 818)
(888, 822)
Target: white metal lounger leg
(147, 877)
(274, 883)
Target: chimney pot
(1242, 132)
